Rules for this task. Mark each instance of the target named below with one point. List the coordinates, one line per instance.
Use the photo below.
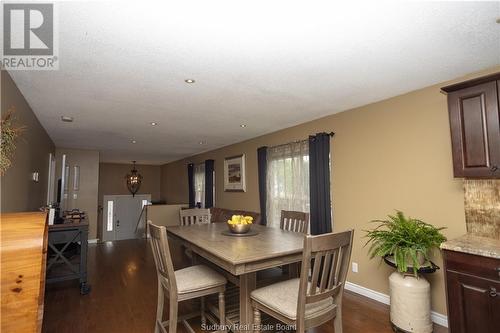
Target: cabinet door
(473, 304)
(475, 131)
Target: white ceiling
(267, 64)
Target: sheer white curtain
(287, 180)
(199, 184)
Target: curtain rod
(285, 144)
(331, 134)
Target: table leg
(294, 270)
(247, 285)
(84, 241)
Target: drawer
(64, 236)
(485, 267)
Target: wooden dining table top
(267, 244)
(23, 250)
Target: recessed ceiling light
(67, 119)
(154, 123)
(189, 81)
(498, 20)
(243, 125)
(133, 141)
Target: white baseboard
(93, 241)
(439, 318)
(436, 317)
(375, 295)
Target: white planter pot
(410, 303)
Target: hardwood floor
(123, 297)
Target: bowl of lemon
(239, 224)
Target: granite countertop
(469, 243)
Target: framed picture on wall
(234, 174)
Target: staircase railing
(141, 228)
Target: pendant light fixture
(134, 180)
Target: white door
(121, 214)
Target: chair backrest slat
(162, 257)
(328, 257)
(333, 269)
(315, 274)
(343, 266)
(327, 262)
(294, 221)
(194, 216)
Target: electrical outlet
(355, 267)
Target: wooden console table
(23, 250)
(60, 266)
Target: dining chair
(294, 221)
(309, 302)
(194, 216)
(298, 222)
(192, 282)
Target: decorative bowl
(239, 228)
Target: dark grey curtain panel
(319, 186)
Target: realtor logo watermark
(30, 38)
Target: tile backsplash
(482, 207)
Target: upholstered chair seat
(282, 297)
(196, 278)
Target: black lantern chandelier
(134, 180)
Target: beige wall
(167, 215)
(174, 181)
(112, 179)
(86, 200)
(18, 191)
(393, 154)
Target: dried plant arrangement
(10, 133)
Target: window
(199, 185)
(109, 225)
(287, 180)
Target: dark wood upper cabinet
(475, 127)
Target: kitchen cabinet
(473, 292)
(475, 127)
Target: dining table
(241, 257)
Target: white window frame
(110, 215)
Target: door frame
(110, 235)
(51, 179)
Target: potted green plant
(408, 243)
(408, 240)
